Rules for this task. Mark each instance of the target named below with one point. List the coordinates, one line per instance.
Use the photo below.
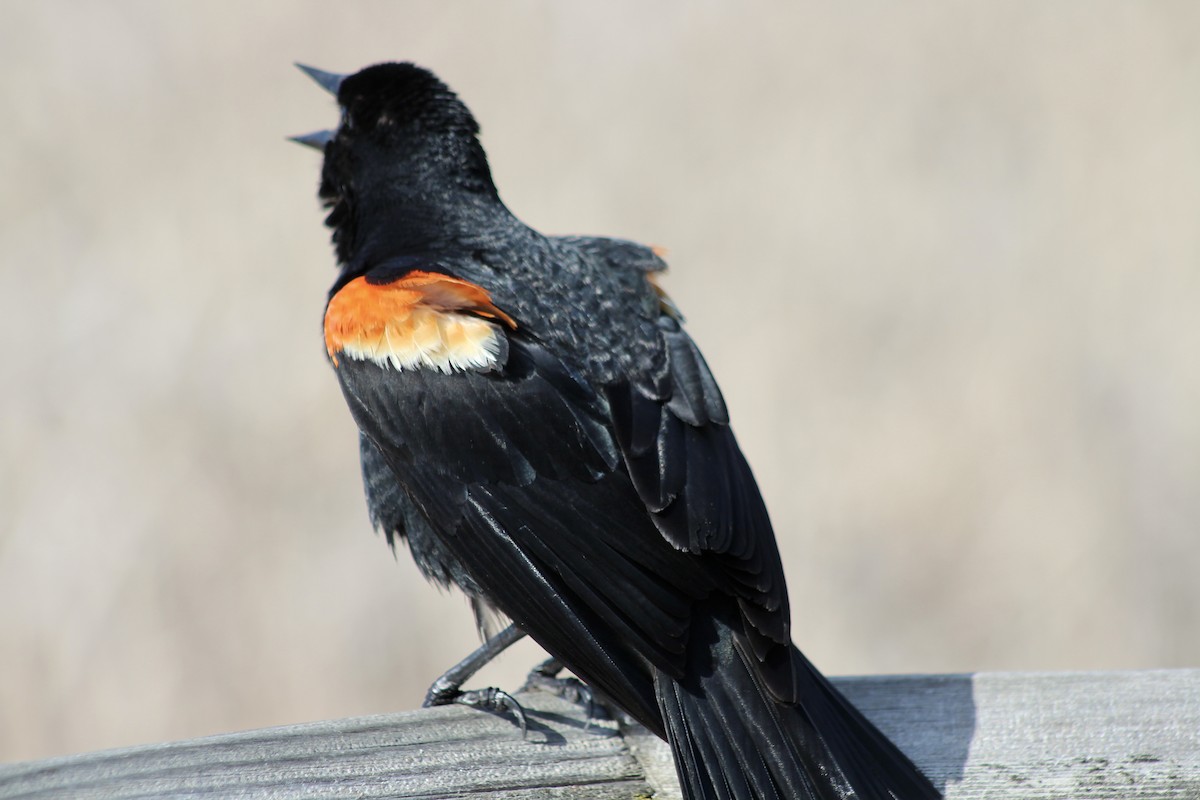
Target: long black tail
(733, 739)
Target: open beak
(329, 81)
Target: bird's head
(406, 147)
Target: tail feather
(733, 740)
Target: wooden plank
(441, 752)
(993, 736)
(1131, 735)
(1030, 736)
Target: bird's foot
(545, 677)
(497, 701)
(448, 690)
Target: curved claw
(496, 700)
(545, 677)
(444, 693)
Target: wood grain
(994, 736)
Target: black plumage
(584, 481)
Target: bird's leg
(448, 688)
(545, 676)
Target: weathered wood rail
(1113, 735)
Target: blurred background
(944, 259)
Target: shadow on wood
(1128, 735)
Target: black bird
(539, 427)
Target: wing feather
(594, 517)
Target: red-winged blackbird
(538, 426)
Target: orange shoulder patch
(423, 320)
